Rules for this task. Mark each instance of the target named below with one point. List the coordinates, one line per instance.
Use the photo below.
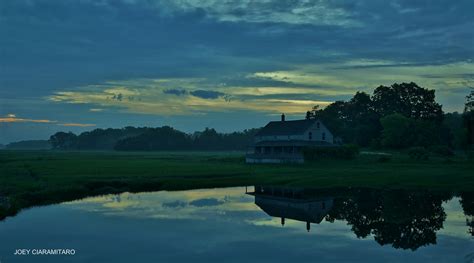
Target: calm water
(269, 225)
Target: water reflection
(467, 203)
(231, 224)
(292, 203)
(404, 219)
(401, 218)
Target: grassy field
(35, 178)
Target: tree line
(398, 116)
(152, 139)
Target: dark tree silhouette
(400, 132)
(152, 139)
(407, 99)
(359, 119)
(468, 117)
(63, 140)
(404, 219)
(469, 106)
(164, 138)
(467, 203)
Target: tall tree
(363, 120)
(468, 117)
(63, 140)
(408, 99)
(401, 132)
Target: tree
(156, 139)
(454, 131)
(359, 119)
(468, 117)
(469, 106)
(407, 99)
(401, 132)
(106, 139)
(396, 128)
(209, 139)
(63, 140)
(168, 138)
(363, 121)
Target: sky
(77, 65)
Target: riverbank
(44, 177)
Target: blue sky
(83, 64)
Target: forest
(152, 139)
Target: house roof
(275, 128)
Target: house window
(317, 125)
(324, 136)
(310, 136)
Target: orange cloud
(10, 118)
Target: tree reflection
(402, 218)
(467, 203)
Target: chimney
(283, 117)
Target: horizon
(153, 127)
(77, 66)
(191, 132)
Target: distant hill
(29, 145)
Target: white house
(283, 141)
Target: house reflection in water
(292, 203)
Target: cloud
(206, 202)
(292, 91)
(132, 57)
(177, 92)
(321, 12)
(202, 202)
(451, 81)
(174, 204)
(207, 94)
(152, 96)
(11, 118)
(273, 11)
